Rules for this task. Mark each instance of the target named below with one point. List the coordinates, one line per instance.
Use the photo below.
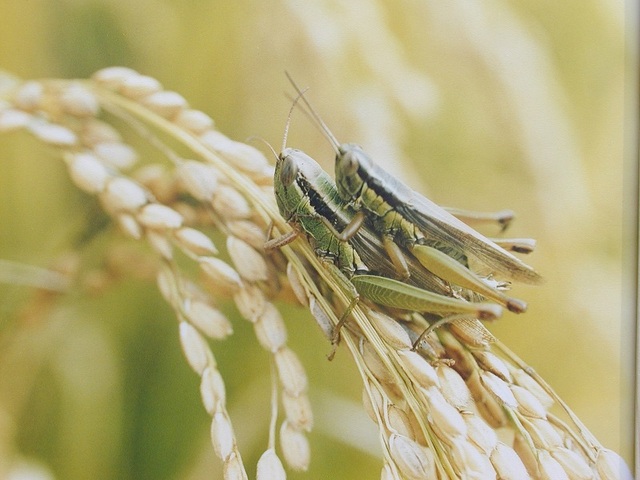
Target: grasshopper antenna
(323, 126)
(293, 105)
(260, 139)
(286, 129)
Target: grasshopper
(307, 198)
(441, 242)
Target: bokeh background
(520, 104)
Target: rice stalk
(463, 406)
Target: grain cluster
(459, 406)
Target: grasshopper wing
(373, 255)
(444, 227)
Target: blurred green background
(526, 105)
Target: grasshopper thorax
(298, 180)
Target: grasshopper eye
(288, 172)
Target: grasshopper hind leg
(454, 272)
(474, 332)
(341, 279)
(335, 335)
(427, 331)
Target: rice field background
(480, 105)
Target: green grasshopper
(307, 198)
(441, 242)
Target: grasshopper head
(349, 160)
(294, 164)
(286, 168)
(296, 175)
(284, 182)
